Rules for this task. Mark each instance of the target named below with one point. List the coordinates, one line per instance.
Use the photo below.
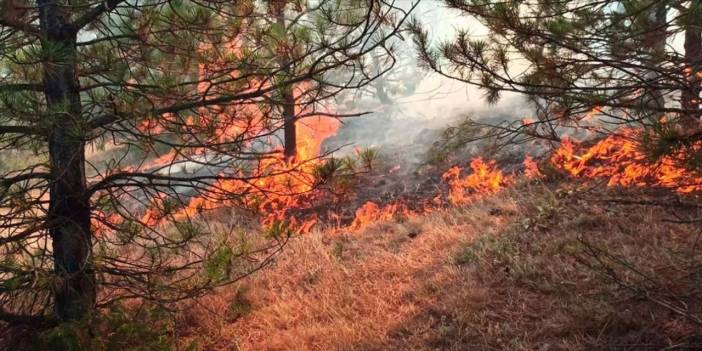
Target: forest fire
(370, 212)
(282, 188)
(619, 158)
(485, 179)
(277, 183)
(531, 168)
(276, 186)
(157, 157)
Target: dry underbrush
(529, 269)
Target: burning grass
(309, 191)
(474, 258)
(620, 159)
(523, 263)
(511, 271)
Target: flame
(274, 188)
(280, 189)
(311, 133)
(283, 190)
(619, 158)
(277, 185)
(371, 212)
(593, 111)
(485, 179)
(531, 169)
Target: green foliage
(279, 230)
(349, 164)
(188, 230)
(339, 249)
(148, 328)
(486, 247)
(68, 337)
(539, 218)
(326, 171)
(456, 140)
(572, 56)
(136, 107)
(368, 157)
(218, 265)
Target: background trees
(119, 110)
(628, 70)
(627, 62)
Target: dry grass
(504, 273)
(354, 290)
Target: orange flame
(277, 185)
(371, 212)
(593, 111)
(620, 159)
(531, 169)
(485, 179)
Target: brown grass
(505, 273)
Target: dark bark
(654, 42)
(690, 96)
(69, 207)
(287, 95)
(289, 119)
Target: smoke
(410, 107)
(409, 126)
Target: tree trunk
(69, 206)
(690, 96)
(655, 43)
(287, 94)
(290, 150)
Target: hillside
(558, 266)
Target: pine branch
(19, 130)
(94, 13)
(18, 25)
(34, 321)
(21, 87)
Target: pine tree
(109, 107)
(621, 60)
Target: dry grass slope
(509, 272)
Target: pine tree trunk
(655, 42)
(69, 207)
(290, 150)
(287, 95)
(690, 96)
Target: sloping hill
(532, 268)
